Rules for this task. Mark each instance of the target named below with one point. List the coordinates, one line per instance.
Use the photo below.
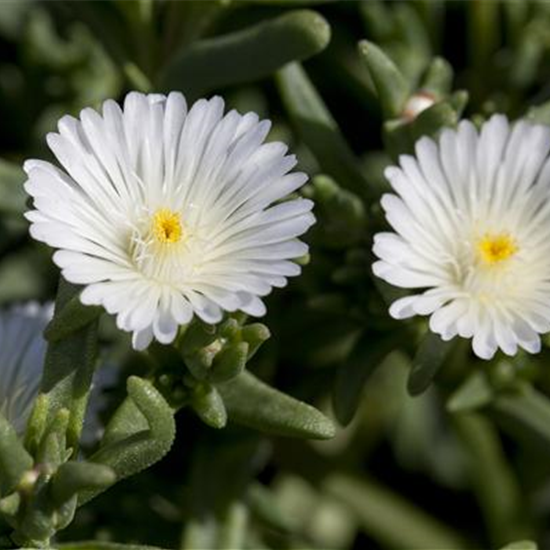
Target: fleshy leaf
(429, 359)
(253, 403)
(140, 433)
(318, 128)
(354, 373)
(246, 55)
(14, 459)
(393, 90)
(69, 368)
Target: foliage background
(464, 464)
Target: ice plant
(472, 234)
(22, 350)
(163, 213)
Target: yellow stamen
(494, 249)
(167, 226)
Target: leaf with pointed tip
(475, 392)
(352, 376)
(253, 403)
(429, 359)
(318, 128)
(74, 477)
(14, 459)
(12, 194)
(246, 55)
(71, 318)
(521, 545)
(96, 545)
(392, 88)
(525, 414)
(69, 368)
(140, 433)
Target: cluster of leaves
(435, 449)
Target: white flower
(22, 350)
(164, 213)
(472, 229)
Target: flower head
(472, 233)
(164, 213)
(22, 350)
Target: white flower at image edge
(164, 212)
(22, 351)
(472, 235)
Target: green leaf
(475, 392)
(14, 459)
(438, 79)
(491, 478)
(318, 128)
(257, 405)
(246, 55)
(139, 434)
(208, 404)
(521, 545)
(525, 414)
(71, 318)
(96, 545)
(69, 368)
(12, 194)
(429, 359)
(73, 477)
(539, 113)
(352, 376)
(392, 88)
(232, 531)
(388, 518)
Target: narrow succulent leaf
(492, 479)
(380, 511)
(73, 477)
(352, 376)
(318, 128)
(264, 504)
(69, 368)
(73, 317)
(521, 545)
(540, 113)
(36, 425)
(198, 533)
(475, 392)
(392, 88)
(254, 335)
(229, 362)
(524, 414)
(52, 447)
(431, 121)
(438, 79)
(429, 359)
(14, 459)
(253, 403)
(232, 529)
(96, 545)
(12, 193)
(247, 55)
(208, 404)
(131, 450)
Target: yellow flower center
(494, 249)
(167, 226)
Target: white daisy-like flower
(163, 213)
(472, 234)
(22, 351)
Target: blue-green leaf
(246, 55)
(253, 403)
